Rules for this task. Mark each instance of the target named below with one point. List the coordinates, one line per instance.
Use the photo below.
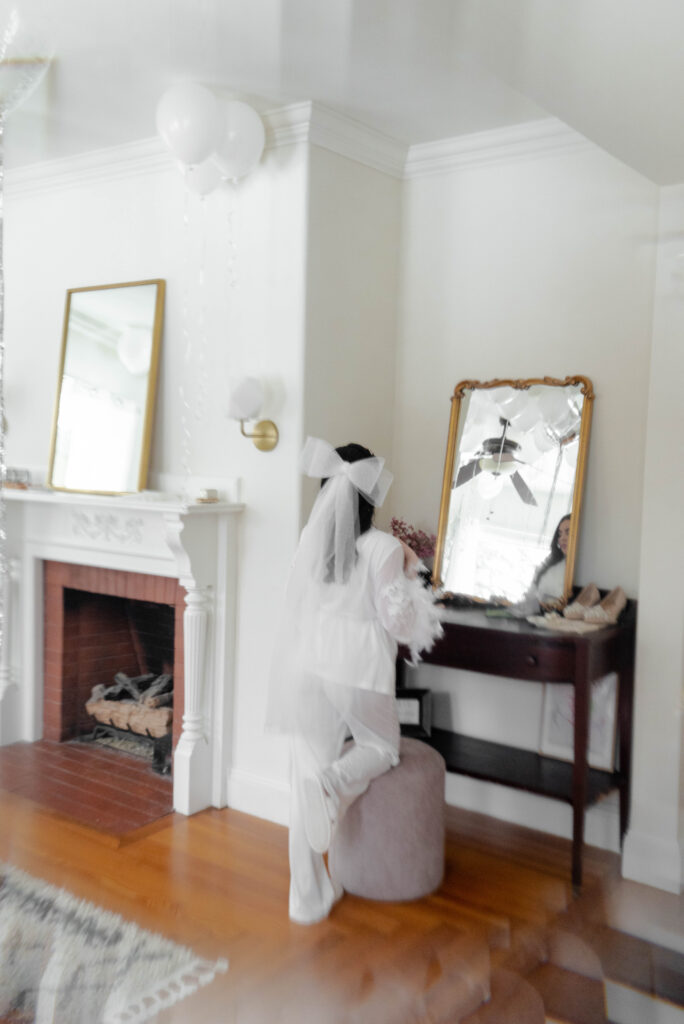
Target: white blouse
(348, 633)
(358, 625)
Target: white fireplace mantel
(152, 533)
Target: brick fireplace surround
(149, 547)
(76, 654)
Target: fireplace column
(192, 761)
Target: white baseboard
(602, 823)
(269, 799)
(264, 798)
(652, 861)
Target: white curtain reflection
(97, 438)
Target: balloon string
(203, 381)
(182, 390)
(231, 278)
(231, 262)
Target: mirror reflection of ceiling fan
(497, 456)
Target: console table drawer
(540, 663)
(514, 656)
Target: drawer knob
(531, 659)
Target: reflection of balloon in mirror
(529, 415)
(551, 402)
(512, 402)
(25, 54)
(134, 349)
(559, 412)
(189, 122)
(543, 440)
(243, 141)
(203, 178)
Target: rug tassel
(181, 984)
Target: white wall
(528, 266)
(653, 848)
(354, 222)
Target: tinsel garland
(3, 459)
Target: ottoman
(390, 843)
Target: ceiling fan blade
(523, 490)
(467, 472)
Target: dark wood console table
(518, 650)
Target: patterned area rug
(66, 961)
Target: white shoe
(317, 821)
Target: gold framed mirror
(512, 490)
(102, 423)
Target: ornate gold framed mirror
(512, 489)
(106, 387)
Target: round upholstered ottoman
(390, 843)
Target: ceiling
(417, 70)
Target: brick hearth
(75, 656)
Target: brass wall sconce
(244, 403)
(264, 436)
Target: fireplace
(100, 622)
(70, 551)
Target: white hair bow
(368, 476)
(327, 549)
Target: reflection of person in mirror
(353, 594)
(547, 585)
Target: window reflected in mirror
(105, 396)
(512, 488)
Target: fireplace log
(132, 716)
(162, 686)
(134, 686)
(139, 704)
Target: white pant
(372, 720)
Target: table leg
(579, 773)
(625, 712)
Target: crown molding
(316, 125)
(132, 159)
(320, 126)
(500, 145)
(297, 123)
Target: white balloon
(242, 144)
(189, 122)
(203, 178)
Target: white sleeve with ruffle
(406, 608)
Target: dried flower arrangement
(422, 543)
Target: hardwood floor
(90, 784)
(503, 940)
